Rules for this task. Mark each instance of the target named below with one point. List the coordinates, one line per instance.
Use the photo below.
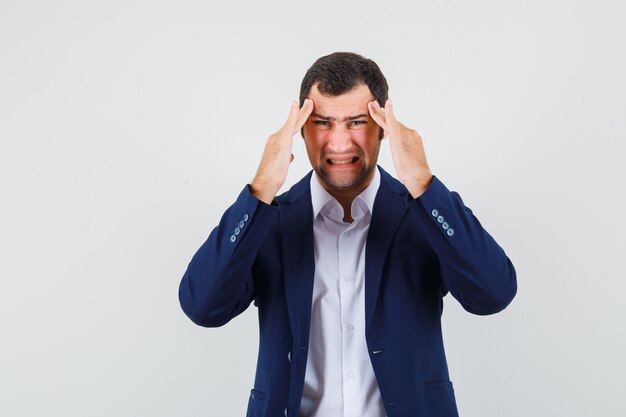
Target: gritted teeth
(343, 161)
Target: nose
(339, 140)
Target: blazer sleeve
(474, 268)
(218, 283)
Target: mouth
(340, 162)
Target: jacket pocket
(435, 385)
(257, 395)
(440, 399)
(256, 404)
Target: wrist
(263, 190)
(419, 184)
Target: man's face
(342, 139)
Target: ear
(381, 133)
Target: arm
(218, 284)
(474, 268)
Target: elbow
(202, 318)
(491, 305)
(197, 311)
(498, 295)
(205, 320)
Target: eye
(357, 122)
(322, 124)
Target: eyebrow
(345, 119)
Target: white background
(127, 127)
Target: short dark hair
(340, 72)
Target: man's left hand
(407, 150)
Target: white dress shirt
(339, 379)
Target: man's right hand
(277, 156)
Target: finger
(377, 113)
(293, 113)
(291, 158)
(374, 107)
(389, 115)
(304, 113)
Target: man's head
(341, 138)
(340, 72)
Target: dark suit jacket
(417, 250)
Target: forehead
(346, 104)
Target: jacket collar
(296, 224)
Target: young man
(348, 268)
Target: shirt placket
(348, 301)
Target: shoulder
(391, 185)
(300, 189)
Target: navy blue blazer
(417, 251)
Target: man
(349, 267)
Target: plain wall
(128, 127)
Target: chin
(343, 182)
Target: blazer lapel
(296, 225)
(387, 215)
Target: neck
(346, 197)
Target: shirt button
(233, 238)
(440, 219)
(350, 375)
(289, 357)
(450, 232)
(245, 217)
(286, 412)
(347, 279)
(445, 225)
(236, 231)
(435, 212)
(350, 328)
(241, 223)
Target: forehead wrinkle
(345, 119)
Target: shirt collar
(320, 197)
